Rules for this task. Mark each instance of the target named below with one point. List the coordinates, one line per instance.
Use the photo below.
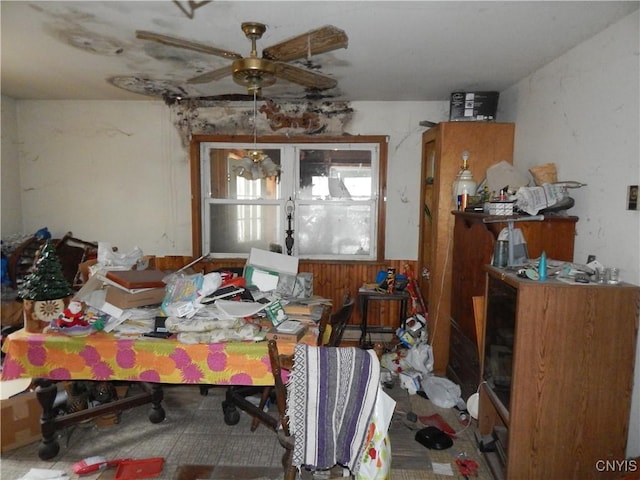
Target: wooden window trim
(196, 174)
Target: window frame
(196, 179)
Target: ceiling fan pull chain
(255, 119)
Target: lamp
(255, 165)
(289, 208)
(463, 186)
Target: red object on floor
(142, 468)
(436, 420)
(94, 464)
(467, 467)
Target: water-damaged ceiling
(397, 51)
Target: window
(332, 191)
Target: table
(365, 295)
(52, 357)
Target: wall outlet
(632, 197)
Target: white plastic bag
(441, 391)
(376, 459)
(210, 283)
(108, 258)
(420, 358)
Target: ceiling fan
(255, 72)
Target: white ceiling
(398, 51)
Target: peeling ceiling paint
(428, 49)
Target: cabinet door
(428, 209)
(487, 143)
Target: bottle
(542, 267)
(463, 184)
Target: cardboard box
(473, 106)
(275, 312)
(123, 299)
(270, 271)
(274, 334)
(20, 418)
(133, 279)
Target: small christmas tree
(46, 281)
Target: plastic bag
(394, 362)
(210, 283)
(376, 459)
(109, 258)
(441, 391)
(520, 251)
(420, 358)
(182, 295)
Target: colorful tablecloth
(104, 357)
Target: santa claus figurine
(72, 316)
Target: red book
(132, 279)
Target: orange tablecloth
(102, 356)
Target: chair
(236, 397)
(339, 322)
(338, 437)
(326, 319)
(278, 363)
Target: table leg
(46, 392)
(157, 413)
(364, 306)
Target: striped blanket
(330, 398)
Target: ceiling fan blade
(212, 75)
(304, 77)
(188, 44)
(313, 42)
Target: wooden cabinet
(442, 146)
(473, 242)
(558, 371)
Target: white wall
(400, 121)
(118, 172)
(10, 168)
(581, 112)
(107, 171)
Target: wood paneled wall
(330, 280)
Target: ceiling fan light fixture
(255, 164)
(256, 155)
